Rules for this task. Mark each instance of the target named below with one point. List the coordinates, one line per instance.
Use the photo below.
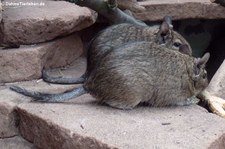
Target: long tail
(62, 80)
(45, 97)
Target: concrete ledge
(180, 9)
(84, 124)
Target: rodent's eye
(177, 44)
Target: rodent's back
(121, 34)
(141, 72)
(116, 36)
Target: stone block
(27, 62)
(30, 24)
(84, 124)
(178, 10)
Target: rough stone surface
(15, 143)
(34, 24)
(82, 123)
(180, 9)
(9, 99)
(27, 62)
(8, 118)
(217, 84)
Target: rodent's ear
(168, 20)
(185, 49)
(164, 29)
(200, 62)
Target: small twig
(39, 80)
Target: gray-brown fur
(121, 34)
(146, 72)
(139, 72)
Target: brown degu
(150, 73)
(138, 72)
(118, 35)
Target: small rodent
(121, 34)
(147, 73)
(138, 72)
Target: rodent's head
(200, 75)
(170, 38)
